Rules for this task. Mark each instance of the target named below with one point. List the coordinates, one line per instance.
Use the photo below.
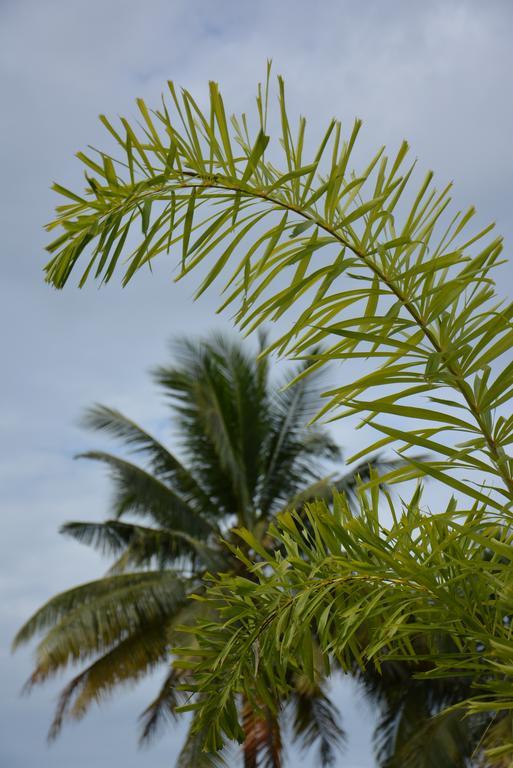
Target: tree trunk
(262, 745)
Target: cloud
(436, 73)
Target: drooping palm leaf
(388, 275)
(163, 706)
(125, 663)
(162, 462)
(139, 492)
(448, 740)
(194, 754)
(88, 619)
(141, 546)
(316, 720)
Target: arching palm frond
(89, 619)
(391, 282)
(141, 547)
(125, 663)
(161, 462)
(316, 721)
(163, 707)
(137, 491)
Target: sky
(436, 72)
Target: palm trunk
(262, 734)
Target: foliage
(381, 271)
(422, 588)
(247, 453)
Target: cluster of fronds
(385, 274)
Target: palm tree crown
(247, 452)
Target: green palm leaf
(412, 292)
(163, 707)
(161, 461)
(316, 720)
(88, 619)
(141, 493)
(193, 753)
(141, 546)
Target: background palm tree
(246, 453)
(416, 728)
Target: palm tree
(247, 453)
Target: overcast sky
(436, 73)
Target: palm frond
(88, 619)
(316, 720)
(162, 462)
(294, 451)
(126, 663)
(193, 753)
(415, 740)
(141, 546)
(141, 493)
(388, 274)
(422, 588)
(219, 397)
(163, 707)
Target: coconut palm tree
(247, 452)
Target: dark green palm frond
(410, 740)
(87, 620)
(207, 435)
(126, 663)
(141, 547)
(163, 707)
(139, 492)
(251, 411)
(220, 396)
(416, 726)
(293, 452)
(110, 537)
(100, 418)
(316, 720)
(173, 548)
(162, 462)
